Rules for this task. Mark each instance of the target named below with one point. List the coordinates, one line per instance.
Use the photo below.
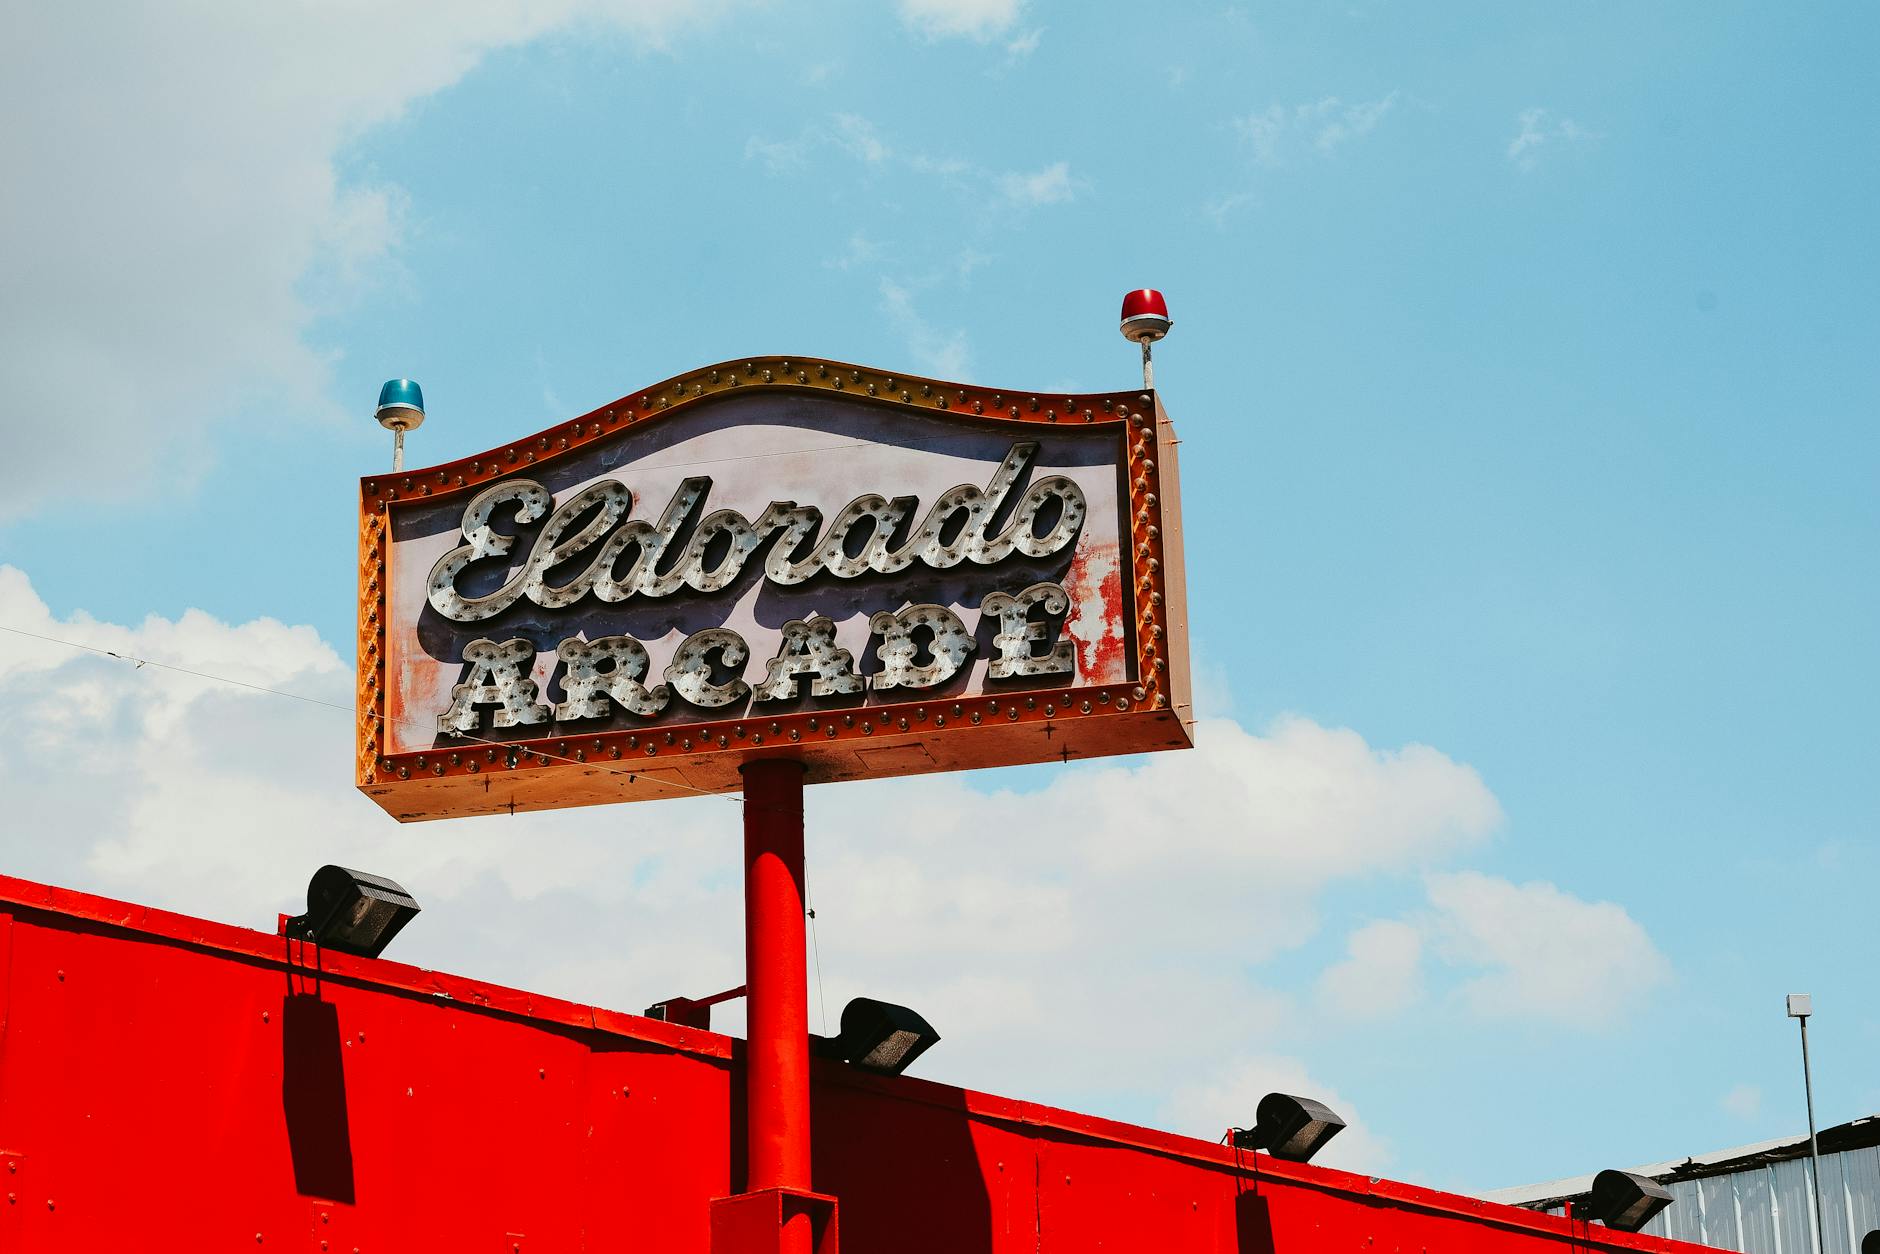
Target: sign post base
(772, 1221)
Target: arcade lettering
(919, 647)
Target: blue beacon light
(401, 409)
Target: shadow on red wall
(926, 1156)
(1253, 1224)
(313, 1097)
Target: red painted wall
(172, 1084)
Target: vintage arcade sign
(870, 573)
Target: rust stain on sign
(1096, 622)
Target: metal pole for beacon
(401, 409)
(1146, 320)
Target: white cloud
(942, 354)
(1380, 975)
(849, 133)
(860, 251)
(1537, 132)
(1547, 953)
(975, 19)
(857, 136)
(861, 140)
(1335, 123)
(1304, 803)
(1518, 951)
(940, 167)
(1220, 208)
(1212, 688)
(779, 155)
(1744, 1101)
(1023, 46)
(968, 260)
(1322, 126)
(175, 221)
(1206, 1109)
(1018, 922)
(1049, 186)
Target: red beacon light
(1145, 316)
(1145, 320)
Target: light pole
(1801, 1006)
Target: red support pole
(777, 1045)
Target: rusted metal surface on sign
(170, 1084)
(777, 557)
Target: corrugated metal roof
(1854, 1134)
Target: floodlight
(881, 1037)
(1293, 1128)
(352, 912)
(1625, 1200)
(1870, 1244)
(1801, 1005)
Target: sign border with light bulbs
(479, 772)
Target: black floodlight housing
(1870, 1244)
(352, 912)
(882, 1037)
(1293, 1128)
(1625, 1200)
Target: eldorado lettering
(724, 539)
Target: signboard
(873, 574)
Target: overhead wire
(181, 670)
(822, 1000)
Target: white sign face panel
(762, 556)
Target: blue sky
(1525, 358)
